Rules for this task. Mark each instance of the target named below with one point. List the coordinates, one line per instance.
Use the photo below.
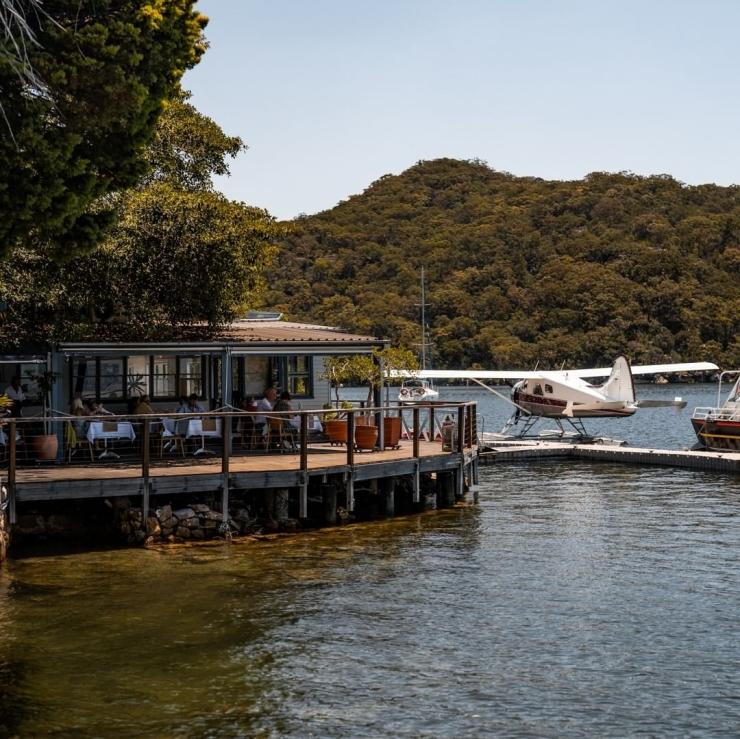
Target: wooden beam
(12, 464)
(225, 458)
(145, 470)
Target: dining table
(109, 431)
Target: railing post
(432, 433)
(225, 457)
(350, 438)
(303, 493)
(416, 431)
(470, 426)
(460, 428)
(12, 459)
(145, 471)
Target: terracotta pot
(363, 421)
(46, 446)
(391, 430)
(336, 431)
(366, 436)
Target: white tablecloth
(314, 424)
(195, 428)
(124, 430)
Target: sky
(329, 95)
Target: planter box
(392, 431)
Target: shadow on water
(187, 640)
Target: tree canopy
(80, 110)
(179, 253)
(523, 270)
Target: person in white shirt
(265, 405)
(15, 392)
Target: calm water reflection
(574, 600)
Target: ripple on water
(575, 600)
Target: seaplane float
(566, 396)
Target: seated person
(265, 405)
(143, 407)
(78, 409)
(182, 405)
(193, 405)
(100, 410)
(283, 403)
(15, 392)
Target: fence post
(145, 471)
(415, 413)
(350, 438)
(460, 428)
(225, 457)
(432, 433)
(303, 492)
(12, 459)
(470, 426)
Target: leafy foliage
(104, 68)
(180, 254)
(524, 270)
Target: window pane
(83, 376)
(299, 376)
(191, 376)
(164, 377)
(29, 385)
(137, 380)
(111, 378)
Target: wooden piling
(12, 464)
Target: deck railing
(121, 442)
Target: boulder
(197, 534)
(191, 523)
(183, 513)
(152, 526)
(164, 513)
(213, 516)
(200, 508)
(182, 532)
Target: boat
(718, 428)
(417, 390)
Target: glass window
(83, 376)
(137, 376)
(164, 377)
(191, 376)
(111, 378)
(548, 389)
(30, 387)
(299, 376)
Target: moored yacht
(417, 391)
(718, 428)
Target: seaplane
(566, 396)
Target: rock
(209, 523)
(164, 513)
(200, 508)
(182, 532)
(167, 531)
(191, 523)
(172, 539)
(213, 516)
(184, 513)
(139, 536)
(168, 523)
(234, 525)
(148, 541)
(152, 526)
(30, 524)
(122, 504)
(198, 534)
(125, 528)
(290, 524)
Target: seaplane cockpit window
(548, 389)
(538, 389)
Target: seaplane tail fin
(620, 385)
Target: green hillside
(522, 270)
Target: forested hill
(522, 270)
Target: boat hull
(718, 435)
(552, 408)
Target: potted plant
(46, 445)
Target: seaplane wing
(464, 374)
(648, 369)
(640, 369)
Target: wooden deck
(246, 471)
(699, 460)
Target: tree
(180, 254)
(79, 121)
(369, 370)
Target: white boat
(417, 391)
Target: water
(664, 428)
(575, 600)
